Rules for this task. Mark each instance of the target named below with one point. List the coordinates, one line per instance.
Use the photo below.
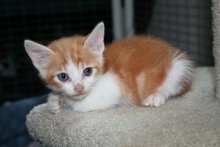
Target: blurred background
(184, 23)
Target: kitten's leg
(54, 103)
(105, 94)
(154, 100)
(177, 82)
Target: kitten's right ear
(95, 40)
(39, 54)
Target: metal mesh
(41, 21)
(187, 25)
(184, 23)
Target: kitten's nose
(79, 88)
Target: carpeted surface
(216, 41)
(191, 120)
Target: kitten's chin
(77, 97)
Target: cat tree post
(216, 42)
(122, 16)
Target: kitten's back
(141, 63)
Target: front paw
(154, 100)
(54, 109)
(54, 103)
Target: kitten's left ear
(95, 40)
(39, 54)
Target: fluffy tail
(178, 79)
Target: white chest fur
(105, 93)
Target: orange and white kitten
(84, 75)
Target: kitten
(85, 75)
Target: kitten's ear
(95, 40)
(39, 54)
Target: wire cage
(186, 24)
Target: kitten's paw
(54, 110)
(154, 100)
(54, 104)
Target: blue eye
(63, 77)
(88, 71)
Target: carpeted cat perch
(192, 120)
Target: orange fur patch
(128, 58)
(132, 56)
(73, 47)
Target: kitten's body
(137, 70)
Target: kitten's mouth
(80, 95)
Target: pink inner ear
(41, 59)
(95, 41)
(98, 47)
(96, 44)
(98, 38)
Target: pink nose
(79, 88)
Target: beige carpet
(192, 120)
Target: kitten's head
(70, 65)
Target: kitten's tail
(178, 80)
